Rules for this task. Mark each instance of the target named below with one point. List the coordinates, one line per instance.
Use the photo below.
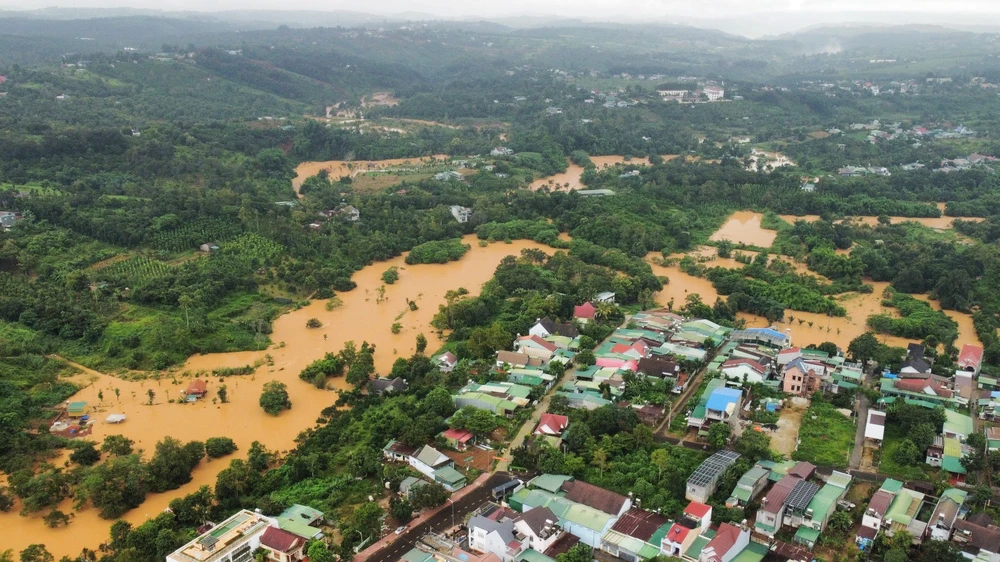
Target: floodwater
(570, 179)
(340, 168)
(359, 318)
(744, 227)
(939, 223)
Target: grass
(826, 436)
(889, 467)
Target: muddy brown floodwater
(340, 168)
(360, 318)
(744, 227)
(939, 223)
(570, 179)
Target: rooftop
(713, 467)
(214, 543)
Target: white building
(233, 540)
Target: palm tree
(605, 310)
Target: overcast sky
(571, 8)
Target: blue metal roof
(723, 397)
(768, 332)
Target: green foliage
(918, 319)
(85, 454)
(117, 445)
(274, 398)
(216, 447)
(825, 437)
(116, 486)
(390, 275)
(171, 464)
(428, 496)
(317, 372)
(442, 251)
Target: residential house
(902, 514)
(195, 390)
(552, 424)
(545, 327)
(797, 503)
(947, 453)
(926, 390)
(749, 486)
(541, 527)
(461, 214)
(915, 361)
(964, 385)
(236, 538)
(428, 459)
(723, 405)
(584, 522)
(499, 405)
(501, 151)
(946, 512)
(7, 219)
(516, 360)
(971, 358)
(659, 368)
(956, 425)
(874, 515)
(714, 93)
(701, 484)
(584, 313)
(499, 538)
(802, 378)
(979, 540)
(606, 296)
(636, 536)
(695, 520)
(446, 362)
(787, 500)
(209, 247)
(409, 485)
(458, 439)
(767, 336)
(821, 508)
(347, 212)
(729, 541)
(600, 499)
(744, 370)
(681, 351)
(535, 347)
(394, 451)
(380, 386)
(449, 478)
(302, 520)
(875, 426)
(282, 546)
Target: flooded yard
(570, 179)
(744, 227)
(340, 168)
(939, 223)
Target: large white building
(233, 540)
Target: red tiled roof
(552, 424)
(790, 350)
(546, 345)
(585, 310)
(920, 386)
(880, 502)
(449, 357)
(971, 356)
(460, 435)
(803, 470)
(620, 348)
(280, 540)
(744, 361)
(725, 539)
(197, 386)
(697, 509)
(677, 533)
(867, 533)
(779, 492)
(598, 498)
(639, 523)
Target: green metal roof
(299, 528)
(825, 499)
(415, 555)
(806, 535)
(754, 552)
(449, 475)
(659, 534)
(903, 507)
(953, 465)
(957, 423)
(532, 555)
(891, 485)
(840, 480)
(694, 551)
(526, 379)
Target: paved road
(528, 427)
(438, 522)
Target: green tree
(718, 435)
(400, 509)
(86, 454)
(907, 453)
(151, 394)
(428, 496)
(578, 553)
(390, 275)
(274, 398)
(216, 447)
(753, 445)
(36, 553)
(116, 486)
(319, 552)
(485, 342)
(172, 463)
(863, 347)
(421, 342)
(939, 551)
(223, 394)
(585, 358)
(193, 509)
(117, 445)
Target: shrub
(216, 447)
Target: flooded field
(744, 227)
(360, 318)
(939, 223)
(340, 168)
(570, 179)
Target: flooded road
(360, 318)
(744, 227)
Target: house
(587, 524)
(942, 521)
(770, 516)
(802, 378)
(460, 213)
(458, 439)
(659, 368)
(749, 486)
(552, 424)
(535, 347)
(878, 506)
(7, 219)
(77, 409)
(701, 485)
(714, 93)
(971, 358)
(729, 541)
(744, 370)
(584, 312)
(915, 362)
(446, 362)
(282, 546)
(606, 296)
(451, 479)
(956, 425)
(902, 514)
(236, 538)
(595, 192)
(695, 520)
(821, 508)
(787, 355)
(516, 360)
(926, 390)
(409, 485)
(302, 520)
(347, 212)
(723, 405)
(501, 151)
(499, 538)
(979, 540)
(448, 176)
(636, 536)
(875, 426)
(428, 459)
(395, 451)
(541, 527)
(195, 390)
(597, 498)
(545, 327)
(767, 336)
(380, 386)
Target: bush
(274, 398)
(397, 327)
(314, 323)
(390, 275)
(438, 251)
(216, 447)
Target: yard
(826, 436)
(887, 464)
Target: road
(528, 427)
(859, 434)
(447, 515)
